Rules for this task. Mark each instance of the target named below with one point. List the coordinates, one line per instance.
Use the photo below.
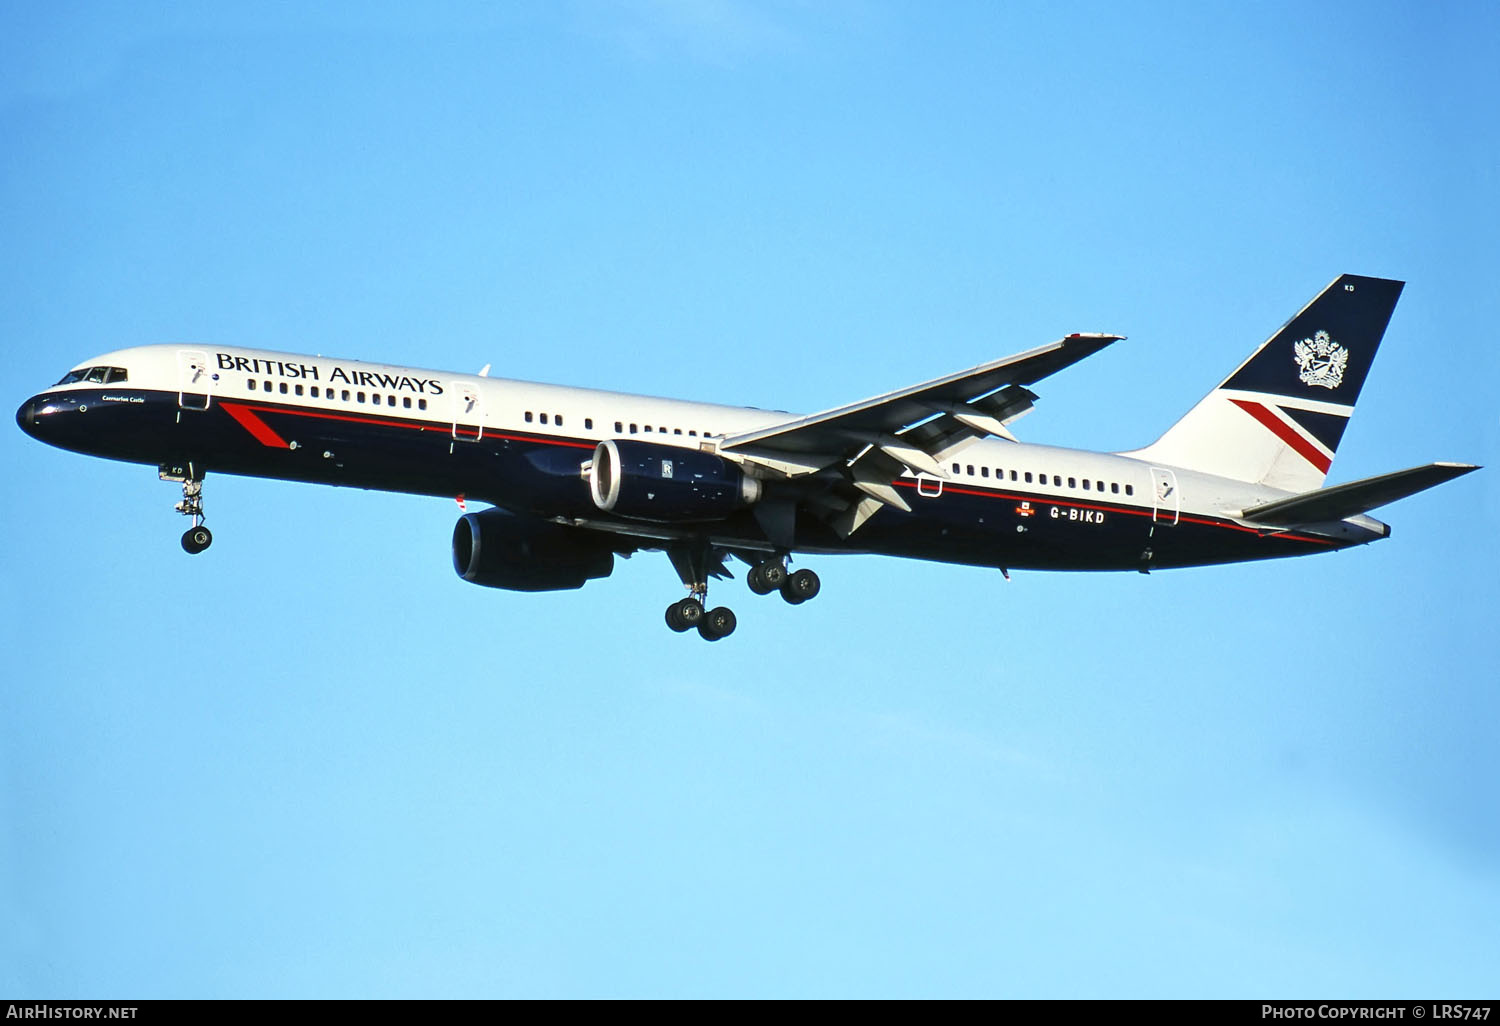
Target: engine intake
(498, 549)
(666, 484)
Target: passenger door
(468, 413)
(194, 380)
(1165, 502)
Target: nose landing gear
(196, 538)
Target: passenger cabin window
(1129, 490)
(588, 423)
(406, 402)
(1085, 484)
(283, 388)
(1072, 482)
(359, 397)
(421, 404)
(544, 418)
(619, 427)
(556, 419)
(528, 416)
(1028, 477)
(299, 389)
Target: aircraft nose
(26, 416)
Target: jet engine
(666, 484)
(498, 549)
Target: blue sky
(313, 762)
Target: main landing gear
(196, 538)
(796, 587)
(712, 624)
(695, 562)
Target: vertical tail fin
(1278, 418)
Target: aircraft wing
(981, 398)
(873, 441)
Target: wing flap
(827, 436)
(861, 448)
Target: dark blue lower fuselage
(986, 523)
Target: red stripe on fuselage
(1286, 433)
(257, 427)
(465, 431)
(242, 412)
(1134, 511)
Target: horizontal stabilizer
(1346, 500)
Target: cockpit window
(97, 375)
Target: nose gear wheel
(196, 538)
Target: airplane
(575, 477)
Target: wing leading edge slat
(863, 447)
(841, 431)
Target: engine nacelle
(666, 484)
(500, 550)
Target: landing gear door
(468, 413)
(194, 380)
(1166, 503)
